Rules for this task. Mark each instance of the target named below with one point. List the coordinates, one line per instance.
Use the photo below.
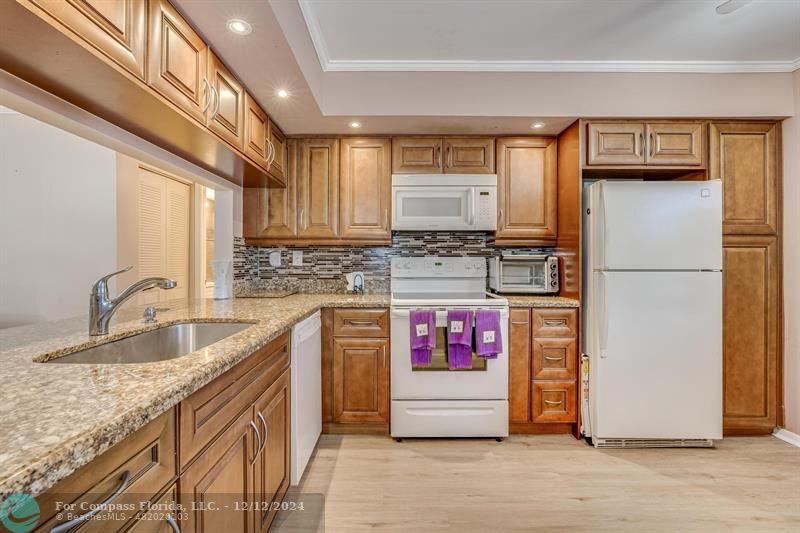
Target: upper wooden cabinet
(469, 155)
(451, 155)
(278, 158)
(744, 155)
(256, 127)
(178, 61)
(526, 189)
(116, 28)
(318, 188)
(365, 190)
(225, 113)
(272, 213)
(751, 333)
(645, 143)
(417, 155)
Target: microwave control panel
(486, 208)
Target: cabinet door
(161, 517)
(615, 143)
(271, 213)
(469, 155)
(526, 189)
(519, 366)
(675, 144)
(417, 155)
(318, 188)
(277, 165)
(178, 60)
(554, 401)
(272, 466)
(360, 381)
(744, 156)
(365, 191)
(222, 474)
(117, 28)
(256, 125)
(225, 114)
(751, 329)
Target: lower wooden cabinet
(162, 516)
(361, 381)
(519, 365)
(751, 333)
(554, 401)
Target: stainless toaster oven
(524, 274)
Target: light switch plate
(297, 258)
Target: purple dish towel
(488, 338)
(459, 338)
(422, 324)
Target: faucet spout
(102, 307)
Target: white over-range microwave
(444, 202)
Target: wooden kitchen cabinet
(417, 155)
(615, 143)
(469, 155)
(178, 60)
(116, 28)
(318, 188)
(526, 190)
(278, 161)
(744, 155)
(222, 475)
(646, 143)
(365, 194)
(751, 333)
(360, 381)
(554, 401)
(164, 508)
(272, 468)
(519, 365)
(675, 143)
(225, 113)
(555, 358)
(271, 213)
(256, 126)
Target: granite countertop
(56, 418)
(523, 300)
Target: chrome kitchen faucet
(102, 308)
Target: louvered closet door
(163, 234)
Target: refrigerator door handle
(602, 315)
(600, 220)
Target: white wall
(791, 262)
(57, 220)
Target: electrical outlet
(297, 258)
(275, 259)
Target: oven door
(433, 208)
(487, 380)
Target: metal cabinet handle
(549, 402)
(207, 91)
(386, 218)
(384, 356)
(352, 322)
(172, 523)
(449, 158)
(270, 153)
(439, 155)
(555, 322)
(518, 323)
(258, 436)
(652, 145)
(554, 358)
(500, 223)
(66, 526)
(264, 424)
(215, 95)
(641, 144)
(302, 219)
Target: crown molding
(697, 67)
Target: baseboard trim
(787, 436)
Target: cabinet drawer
(553, 401)
(139, 467)
(207, 412)
(555, 323)
(554, 358)
(361, 323)
(157, 518)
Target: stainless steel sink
(159, 344)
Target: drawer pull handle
(258, 448)
(172, 523)
(555, 322)
(559, 358)
(66, 526)
(264, 424)
(350, 322)
(550, 402)
(518, 323)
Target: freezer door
(662, 225)
(656, 361)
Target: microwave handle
(471, 206)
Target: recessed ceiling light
(537, 125)
(283, 93)
(355, 124)
(239, 27)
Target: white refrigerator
(653, 313)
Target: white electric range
(434, 401)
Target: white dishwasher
(306, 392)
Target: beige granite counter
(523, 300)
(55, 418)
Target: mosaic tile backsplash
(324, 267)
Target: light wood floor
(545, 483)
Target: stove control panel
(445, 267)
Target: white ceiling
(554, 35)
